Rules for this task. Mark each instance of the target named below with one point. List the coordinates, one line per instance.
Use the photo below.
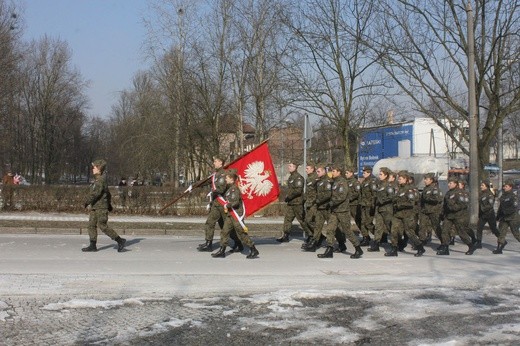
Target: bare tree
(335, 76)
(424, 49)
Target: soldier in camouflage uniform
(216, 210)
(507, 216)
(455, 215)
(430, 209)
(323, 195)
(339, 218)
(404, 220)
(354, 189)
(384, 208)
(367, 203)
(486, 212)
(99, 204)
(294, 202)
(234, 210)
(310, 201)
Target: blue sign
(381, 143)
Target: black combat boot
(120, 243)
(221, 253)
(91, 248)
(452, 241)
(208, 247)
(312, 247)
(307, 242)
(444, 250)
(358, 252)
(478, 244)
(392, 252)
(253, 254)
(341, 248)
(202, 245)
(284, 238)
(402, 244)
(420, 251)
(365, 241)
(471, 249)
(328, 253)
(374, 247)
(237, 247)
(320, 241)
(499, 248)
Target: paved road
(162, 291)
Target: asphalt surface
(161, 290)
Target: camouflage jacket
(486, 202)
(368, 191)
(295, 189)
(323, 192)
(354, 189)
(310, 189)
(233, 199)
(405, 201)
(339, 199)
(507, 211)
(99, 197)
(455, 204)
(431, 200)
(385, 195)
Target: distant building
(418, 137)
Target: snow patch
(92, 304)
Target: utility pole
(473, 122)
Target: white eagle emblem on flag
(256, 180)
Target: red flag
(257, 179)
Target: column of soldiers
(391, 207)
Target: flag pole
(202, 182)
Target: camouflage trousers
(355, 214)
(338, 227)
(295, 212)
(322, 216)
(490, 219)
(383, 223)
(429, 224)
(404, 224)
(216, 214)
(310, 217)
(513, 225)
(99, 218)
(367, 218)
(461, 226)
(233, 229)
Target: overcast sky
(105, 37)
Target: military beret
(429, 176)
(509, 182)
(337, 167)
(101, 164)
(463, 182)
(367, 169)
(351, 169)
(294, 162)
(486, 182)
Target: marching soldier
(455, 215)
(367, 203)
(339, 218)
(234, 210)
(99, 204)
(486, 212)
(430, 209)
(384, 208)
(323, 195)
(404, 220)
(310, 201)
(216, 210)
(294, 202)
(353, 196)
(507, 216)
